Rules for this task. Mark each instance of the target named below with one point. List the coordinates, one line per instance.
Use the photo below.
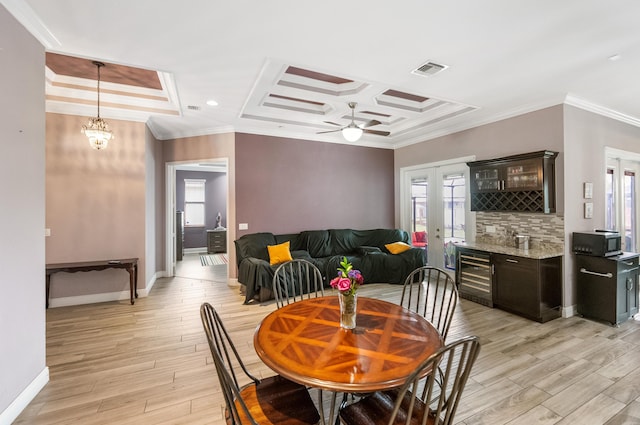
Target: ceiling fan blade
(330, 131)
(378, 132)
(333, 123)
(371, 123)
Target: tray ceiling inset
(126, 92)
(309, 101)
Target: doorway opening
(189, 242)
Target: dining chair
(420, 400)
(296, 280)
(272, 400)
(432, 293)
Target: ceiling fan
(353, 132)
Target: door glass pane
(629, 211)
(453, 198)
(610, 207)
(419, 213)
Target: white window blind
(194, 202)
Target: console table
(129, 264)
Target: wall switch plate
(243, 226)
(490, 229)
(47, 232)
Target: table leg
(48, 285)
(135, 267)
(131, 283)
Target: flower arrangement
(348, 279)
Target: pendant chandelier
(97, 129)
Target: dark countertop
(536, 253)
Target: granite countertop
(537, 253)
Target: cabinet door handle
(628, 263)
(509, 260)
(608, 275)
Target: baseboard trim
(195, 250)
(22, 401)
(155, 277)
(94, 298)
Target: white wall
(22, 254)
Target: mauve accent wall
(95, 206)
(215, 201)
(289, 185)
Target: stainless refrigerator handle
(583, 270)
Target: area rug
(214, 259)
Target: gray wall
(215, 201)
(529, 132)
(286, 185)
(586, 136)
(22, 252)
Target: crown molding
(32, 22)
(601, 110)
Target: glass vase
(348, 303)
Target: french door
(435, 209)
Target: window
(629, 210)
(610, 206)
(194, 211)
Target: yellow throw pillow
(397, 247)
(279, 253)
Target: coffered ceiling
(289, 68)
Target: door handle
(509, 260)
(607, 275)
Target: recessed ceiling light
(615, 57)
(212, 102)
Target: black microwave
(599, 243)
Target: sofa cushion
(381, 237)
(279, 253)
(254, 246)
(366, 250)
(317, 243)
(294, 238)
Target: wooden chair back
(432, 293)
(272, 400)
(296, 280)
(421, 400)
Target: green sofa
(365, 249)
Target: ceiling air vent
(429, 69)
(193, 107)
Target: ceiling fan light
(352, 134)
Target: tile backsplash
(545, 230)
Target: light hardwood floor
(113, 363)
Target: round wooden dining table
(304, 342)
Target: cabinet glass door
(525, 175)
(486, 179)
